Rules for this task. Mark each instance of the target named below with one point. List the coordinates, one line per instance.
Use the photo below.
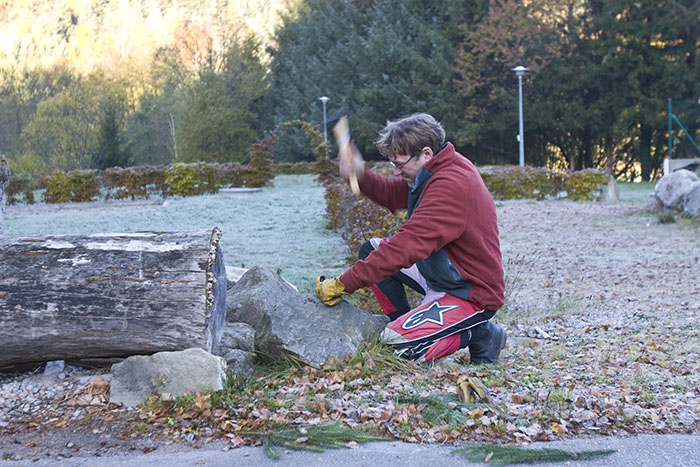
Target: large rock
(239, 362)
(691, 201)
(672, 187)
(174, 373)
(654, 204)
(287, 322)
(237, 336)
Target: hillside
(96, 34)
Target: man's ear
(426, 151)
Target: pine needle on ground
(441, 408)
(316, 438)
(502, 454)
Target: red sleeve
(438, 220)
(392, 193)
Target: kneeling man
(448, 250)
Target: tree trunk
(4, 182)
(68, 297)
(645, 151)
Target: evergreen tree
(377, 59)
(509, 34)
(110, 150)
(656, 44)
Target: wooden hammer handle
(342, 136)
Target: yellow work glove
(329, 290)
(471, 389)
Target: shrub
(260, 166)
(518, 183)
(512, 182)
(666, 216)
(76, 186)
(135, 182)
(192, 179)
(20, 188)
(585, 184)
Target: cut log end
(215, 293)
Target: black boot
(486, 343)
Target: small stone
(54, 367)
(69, 444)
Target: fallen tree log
(69, 297)
(4, 182)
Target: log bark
(68, 297)
(4, 182)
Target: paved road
(645, 450)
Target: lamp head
(520, 70)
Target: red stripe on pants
(384, 302)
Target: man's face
(407, 166)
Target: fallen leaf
(98, 386)
(557, 428)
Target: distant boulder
(691, 201)
(672, 188)
(288, 323)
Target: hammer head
(337, 114)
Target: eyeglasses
(400, 166)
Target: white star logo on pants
(434, 314)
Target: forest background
(97, 83)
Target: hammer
(342, 136)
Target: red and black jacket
(451, 233)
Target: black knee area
(365, 250)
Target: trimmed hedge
(21, 189)
(513, 182)
(76, 186)
(165, 180)
(135, 182)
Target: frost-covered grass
(635, 192)
(282, 227)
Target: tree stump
(71, 297)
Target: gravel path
(613, 261)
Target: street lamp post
(324, 99)
(520, 71)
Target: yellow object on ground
(471, 389)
